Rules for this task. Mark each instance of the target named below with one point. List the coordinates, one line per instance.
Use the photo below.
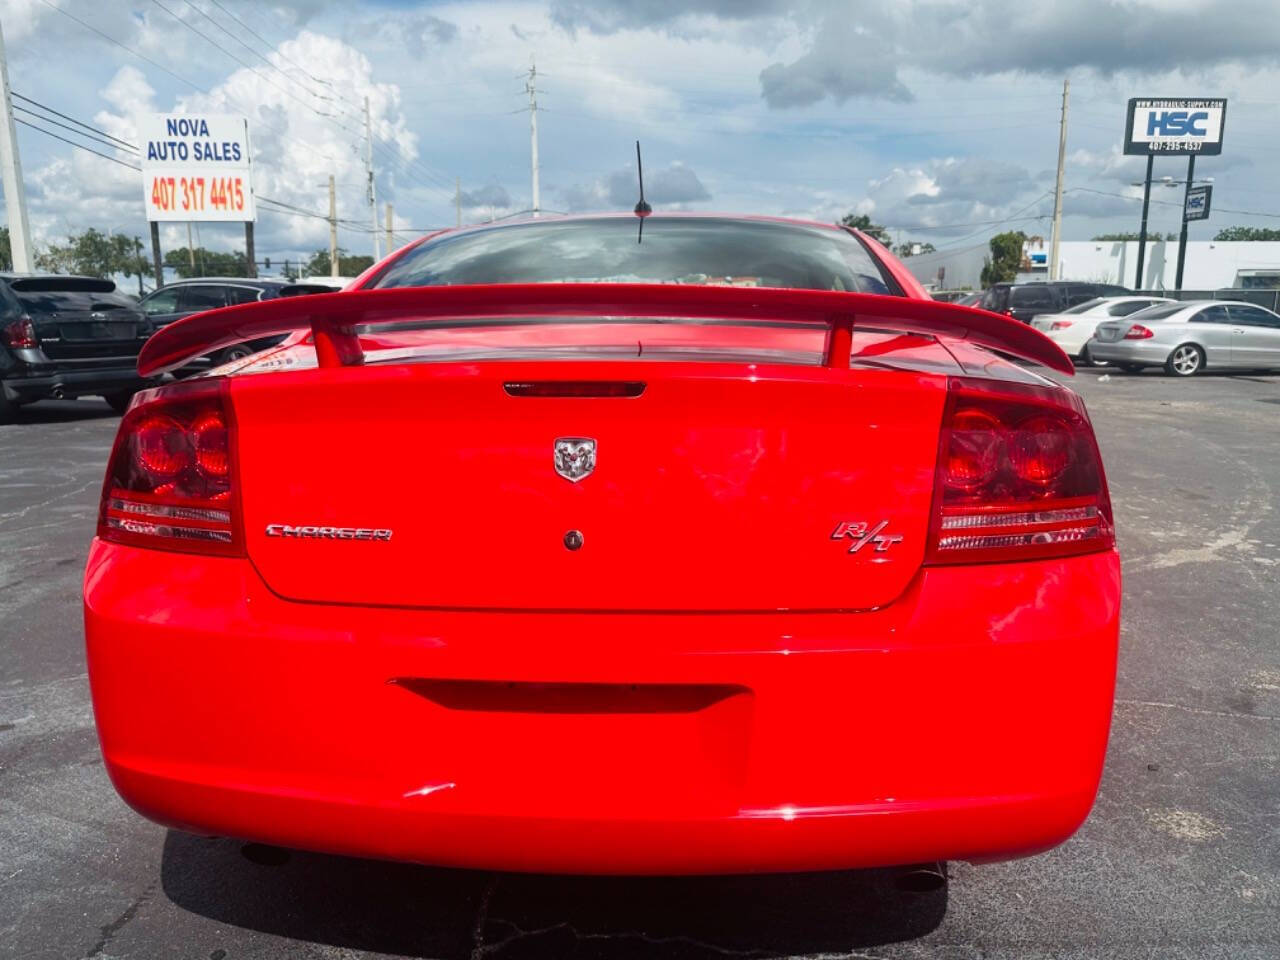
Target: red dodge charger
(554, 546)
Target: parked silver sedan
(1189, 336)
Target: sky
(937, 118)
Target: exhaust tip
(924, 878)
(58, 392)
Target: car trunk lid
(1110, 331)
(717, 486)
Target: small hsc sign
(196, 167)
(1173, 127)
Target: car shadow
(418, 911)
(62, 411)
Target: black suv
(67, 337)
(1025, 301)
(182, 298)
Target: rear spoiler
(332, 319)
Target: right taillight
(1139, 332)
(1019, 477)
(21, 333)
(171, 481)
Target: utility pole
(191, 249)
(368, 165)
(532, 89)
(390, 239)
(457, 198)
(333, 228)
(1142, 231)
(15, 195)
(1057, 193)
(1182, 240)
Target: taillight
(1139, 332)
(171, 481)
(1019, 477)
(1060, 324)
(21, 333)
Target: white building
(1210, 265)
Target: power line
(80, 123)
(127, 49)
(1175, 203)
(145, 59)
(217, 46)
(275, 49)
(66, 126)
(78, 146)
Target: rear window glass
(1159, 312)
(1128, 307)
(996, 299)
(1031, 297)
(741, 253)
(62, 284)
(38, 301)
(244, 295)
(1083, 307)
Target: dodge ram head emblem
(575, 457)
(862, 534)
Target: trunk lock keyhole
(573, 540)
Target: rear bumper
(72, 382)
(968, 720)
(1144, 352)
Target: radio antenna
(642, 208)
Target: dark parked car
(182, 298)
(67, 337)
(1025, 301)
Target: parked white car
(1071, 329)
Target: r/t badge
(863, 534)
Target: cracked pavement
(1180, 858)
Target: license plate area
(554, 750)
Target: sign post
(1182, 238)
(1142, 231)
(196, 168)
(1172, 127)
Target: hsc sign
(1174, 127)
(1198, 202)
(196, 167)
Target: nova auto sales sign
(196, 167)
(1171, 127)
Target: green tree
(348, 265)
(1006, 257)
(861, 221)
(129, 258)
(6, 251)
(90, 254)
(208, 263)
(1247, 233)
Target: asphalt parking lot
(1181, 857)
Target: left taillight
(171, 481)
(1019, 477)
(21, 333)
